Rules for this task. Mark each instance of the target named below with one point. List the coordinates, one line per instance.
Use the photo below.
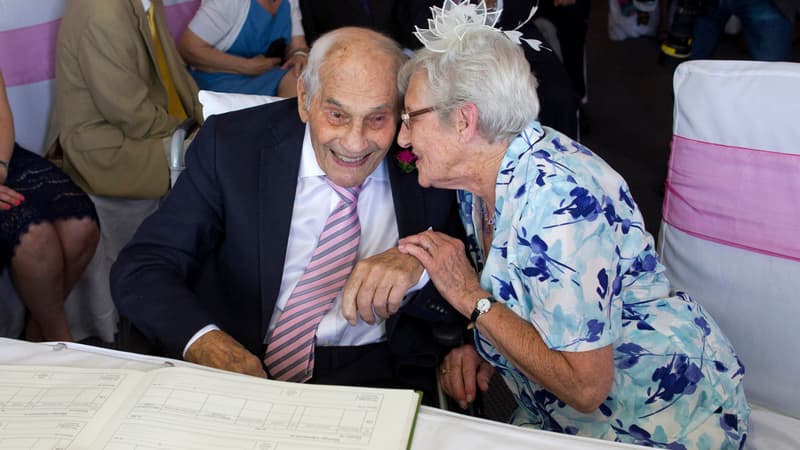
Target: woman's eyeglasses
(406, 116)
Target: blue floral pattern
(571, 255)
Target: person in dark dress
(48, 232)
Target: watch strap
(477, 312)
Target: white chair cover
(731, 216)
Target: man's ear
(302, 95)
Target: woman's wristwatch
(482, 306)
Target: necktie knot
(349, 194)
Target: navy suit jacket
(215, 249)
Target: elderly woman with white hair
(569, 303)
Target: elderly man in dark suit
(261, 189)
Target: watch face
(483, 305)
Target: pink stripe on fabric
(334, 253)
(735, 196)
(179, 15)
(333, 283)
(333, 243)
(298, 335)
(28, 54)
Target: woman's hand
(297, 62)
(259, 64)
(9, 198)
(447, 264)
(462, 370)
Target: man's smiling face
(353, 117)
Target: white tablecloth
(435, 430)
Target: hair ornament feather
(453, 19)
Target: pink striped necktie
(290, 347)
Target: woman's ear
(466, 122)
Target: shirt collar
(146, 4)
(310, 168)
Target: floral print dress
(570, 254)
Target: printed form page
(197, 409)
(48, 407)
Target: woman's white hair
(486, 69)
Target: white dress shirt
(314, 200)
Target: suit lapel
(409, 201)
(279, 166)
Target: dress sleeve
(297, 19)
(217, 19)
(567, 257)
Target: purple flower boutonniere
(406, 160)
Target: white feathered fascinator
(449, 23)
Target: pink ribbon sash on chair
(735, 196)
(27, 53)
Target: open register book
(187, 408)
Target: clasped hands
(259, 64)
(380, 282)
(375, 290)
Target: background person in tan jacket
(119, 95)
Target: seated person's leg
(768, 32)
(46, 264)
(707, 30)
(288, 85)
(37, 270)
(78, 239)
(54, 232)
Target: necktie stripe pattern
(290, 347)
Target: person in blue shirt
(246, 46)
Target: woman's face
(433, 143)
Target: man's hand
(378, 284)
(462, 370)
(218, 349)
